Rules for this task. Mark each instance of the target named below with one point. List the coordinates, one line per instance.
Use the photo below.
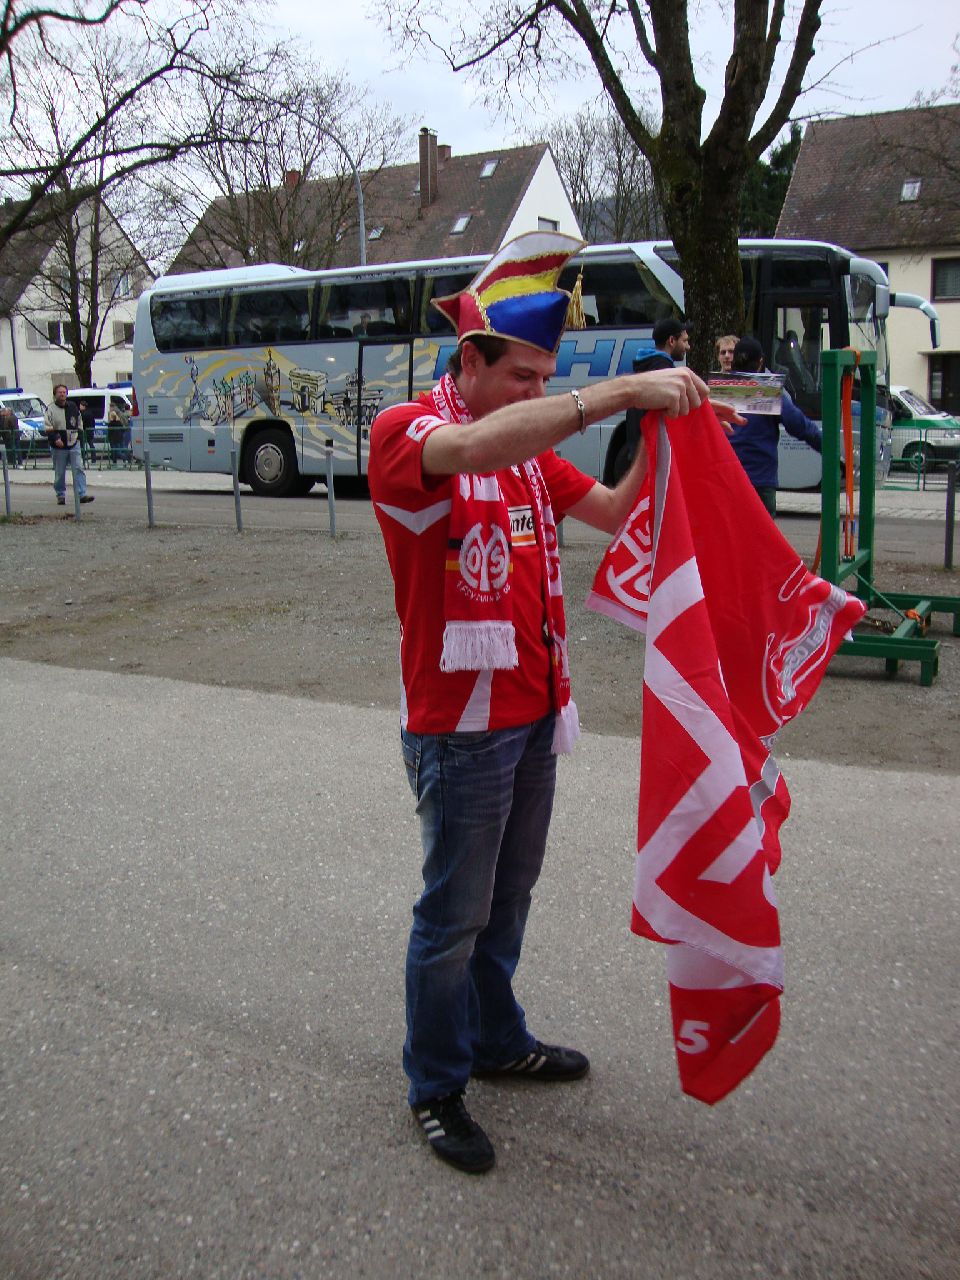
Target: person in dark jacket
(672, 341)
(10, 434)
(755, 444)
(88, 422)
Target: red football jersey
(414, 513)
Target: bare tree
(275, 186)
(17, 20)
(698, 174)
(42, 156)
(65, 242)
(608, 177)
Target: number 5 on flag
(691, 1038)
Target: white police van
(100, 400)
(29, 409)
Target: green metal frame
(907, 643)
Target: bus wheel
(272, 464)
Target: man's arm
(52, 430)
(797, 424)
(522, 430)
(606, 509)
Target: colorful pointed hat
(515, 295)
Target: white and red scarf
(479, 633)
(739, 635)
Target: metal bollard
(951, 514)
(6, 478)
(151, 523)
(234, 471)
(73, 481)
(331, 500)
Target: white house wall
(545, 197)
(37, 369)
(908, 331)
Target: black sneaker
(548, 1063)
(453, 1135)
(88, 497)
(61, 502)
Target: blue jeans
(484, 801)
(61, 461)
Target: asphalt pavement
(206, 893)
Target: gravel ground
(292, 611)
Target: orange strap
(846, 422)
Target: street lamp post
(356, 182)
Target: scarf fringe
(566, 729)
(479, 646)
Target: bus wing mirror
(920, 304)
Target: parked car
(922, 432)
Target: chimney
(291, 179)
(443, 152)
(428, 167)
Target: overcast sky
(915, 57)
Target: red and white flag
(739, 634)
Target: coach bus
(281, 363)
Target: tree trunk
(703, 219)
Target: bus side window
(430, 319)
(268, 316)
(618, 293)
(187, 324)
(367, 308)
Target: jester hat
(515, 295)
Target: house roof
(23, 255)
(848, 183)
(392, 203)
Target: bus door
(435, 340)
(383, 378)
(800, 316)
(375, 313)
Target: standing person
(467, 491)
(672, 341)
(61, 422)
(88, 423)
(10, 434)
(724, 351)
(756, 442)
(118, 434)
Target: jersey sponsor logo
(523, 531)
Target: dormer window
(910, 191)
(461, 224)
(489, 168)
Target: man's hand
(676, 392)
(727, 415)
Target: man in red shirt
(467, 491)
